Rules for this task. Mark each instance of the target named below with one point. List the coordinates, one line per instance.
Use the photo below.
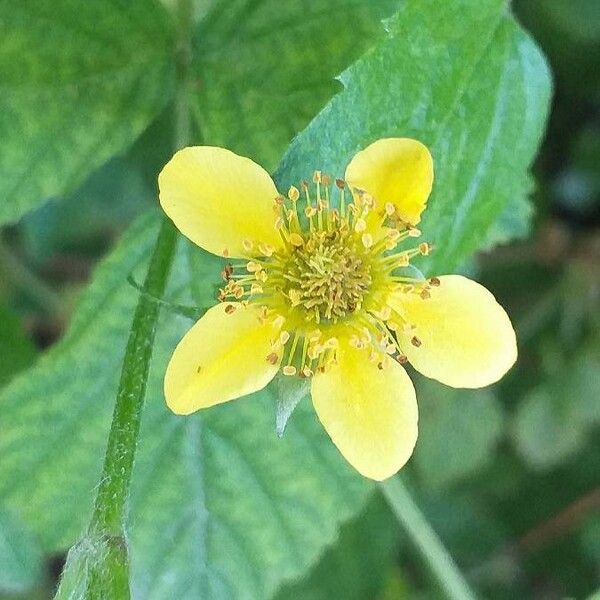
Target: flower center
(332, 279)
(328, 276)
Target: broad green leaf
(463, 78)
(554, 418)
(80, 81)
(458, 432)
(114, 194)
(16, 349)
(513, 223)
(264, 68)
(221, 507)
(20, 555)
(357, 566)
(546, 430)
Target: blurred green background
(509, 477)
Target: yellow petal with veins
(222, 357)
(398, 171)
(220, 200)
(464, 337)
(370, 414)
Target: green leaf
(221, 508)
(356, 567)
(16, 349)
(554, 418)
(467, 81)
(80, 81)
(458, 432)
(513, 223)
(20, 555)
(546, 431)
(265, 67)
(115, 194)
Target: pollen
(328, 276)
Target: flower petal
(370, 414)
(219, 199)
(396, 170)
(222, 357)
(466, 338)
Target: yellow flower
(319, 288)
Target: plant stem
(109, 510)
(423, 536)
(113, 491)
(97, 566)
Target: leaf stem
(423, 536)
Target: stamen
(331, 268)
(293, 194)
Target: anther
(230, 308)
(434, 281)
(289, 370)
(278, 321)
(293, 194)
(273, 358)
(296, 240)
(424, 248)
(360, 225)
(403, 260)
(390, 209)
(416, 342)
(227, 272)
(266, 249)
(247, 244)
(340, 183)
(367, 240)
